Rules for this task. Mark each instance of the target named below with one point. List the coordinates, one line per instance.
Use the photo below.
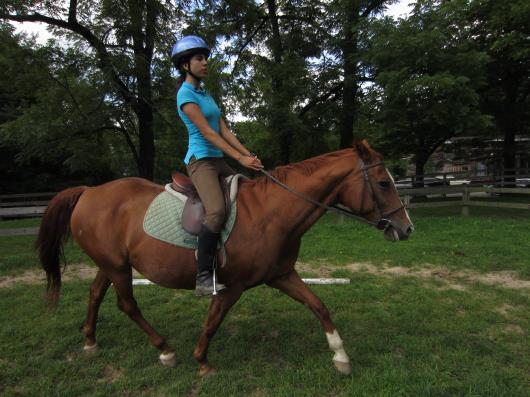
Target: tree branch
(129, 141)
(373, 6)
(320, 98)
(72, 11)
(74, 26)
(247, 42)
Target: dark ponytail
(180, 81)
(182, 71)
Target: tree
(427, 74)
(501, 30)
(124, 38)
(268, 50)
(52, 121)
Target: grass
(487, 241)
(481, 243)
(15, 223)
(405, 336)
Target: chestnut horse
(106, 221)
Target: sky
(401, 8)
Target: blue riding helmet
(187, 46)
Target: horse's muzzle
(393, 233)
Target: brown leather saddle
(193, 212)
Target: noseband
(382, 224)
(384, 221)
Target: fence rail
(465, 192)
(34, 204)
(24, 205)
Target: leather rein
(382, 224)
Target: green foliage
(430, 74)
(303, 73)
(56, 132)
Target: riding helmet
(186, 47)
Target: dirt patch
(109, 375)
(513, 329)
(504, 309)
(453, 279)
(78, 271)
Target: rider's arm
(193, 112)
(229, 136)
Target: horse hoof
(343, 368)
(90, 348)
(168, 359)
(206, 370)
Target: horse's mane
(304, 167)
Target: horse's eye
(384, 184)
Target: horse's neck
(298, 215)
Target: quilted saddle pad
(163, 221)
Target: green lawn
(28, 222)
(406, 336)
(480, 243)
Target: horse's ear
(363, 149)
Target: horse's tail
(53, 233)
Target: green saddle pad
(163, 221)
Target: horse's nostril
(410, 229)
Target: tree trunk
(420, 169)
(142, 14)
(509, 152)
(280, 104)
(147, 142)
(420, 159)
(349, 93)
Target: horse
(106, 222)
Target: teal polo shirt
(199, 146)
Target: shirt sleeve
(185, 96)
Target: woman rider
(209, 138)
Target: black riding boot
(205, 256)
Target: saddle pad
(163, 221)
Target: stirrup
(209, 285)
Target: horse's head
(370, 192)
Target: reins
(383, 224)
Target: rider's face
(197, 65)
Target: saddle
(193, 212)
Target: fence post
(465, 199)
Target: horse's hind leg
(219, 306)
(98, 289)
(293, 286)
(127, 304)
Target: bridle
(384, 221)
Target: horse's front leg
(293, 286)
(219, 306)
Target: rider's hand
(252, 162)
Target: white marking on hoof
(343, 368)
(91, 348)
(335, 344)
(168, 359)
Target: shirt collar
(200, 90)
